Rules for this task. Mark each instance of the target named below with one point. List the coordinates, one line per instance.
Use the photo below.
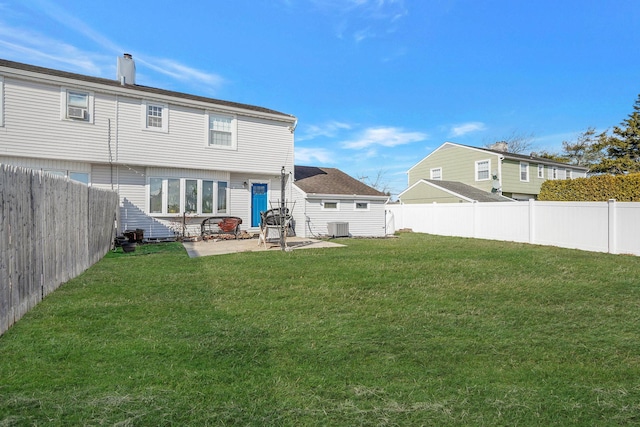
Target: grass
(419, 330)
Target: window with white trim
(482, 170)
(524, 171)
(553, 173)
(568, 174)
(76, 105)
(155, 116)
(172, 196)
(82, 177)
(540, 171)
(330, 205)
(436, 173)
(361, 205)
(221, 131)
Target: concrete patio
(221, 247)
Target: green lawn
(418, 330)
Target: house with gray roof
(329, 202)
(172, 157)
(437, 191)
(492, 172)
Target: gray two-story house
(169, 155)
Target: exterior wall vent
(338, 229)
(126, 70)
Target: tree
(585, 150)
(622, 148)
(555, 157)
(516, 142)
(379, 182)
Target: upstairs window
(76, 105)
(540, 171)
(569, 174)
(436, 173)
(482, 170)
(524, 171)
(221, 131)
(155, 116)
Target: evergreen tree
(622, 149)
(585, 150)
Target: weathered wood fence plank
(51, 230)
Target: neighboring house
(435, 191)
(325, 196)
(169, 155)
(515, 176)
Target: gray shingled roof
(526, 157)
(469, 191)
(147, 89)
(315, 180)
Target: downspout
(500, 159)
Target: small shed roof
(316, 180)
(468, 191)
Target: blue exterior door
(258, 202)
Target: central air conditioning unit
(76, 113)
(338, 229)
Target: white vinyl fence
(51, 230)
(612, 227)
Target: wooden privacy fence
(611, 226)
(51, 230)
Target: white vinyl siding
(73, 170)
(483, 168)
(116, 135)
(311, 219)
(1, 101)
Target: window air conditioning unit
(338, 229)
(77, 113)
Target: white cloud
(329, 130)
(311, 155)
(29, 46)
(465, 128)
(363, 19)
(182, 72)
(32, 46)
(58, 14)
(385, 137)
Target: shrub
(623, 188)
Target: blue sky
(376, 84)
